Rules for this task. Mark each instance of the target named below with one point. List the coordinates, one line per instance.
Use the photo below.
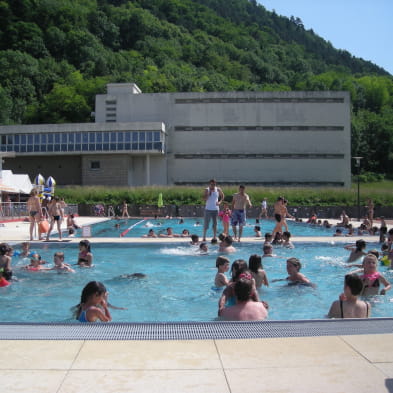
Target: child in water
(286, 237)
(222, 265)
(85, 257)
(35, 264)
(59, 265)
(257, 272)
(371, 278)
(5, 261)
(257, 231)
(357, 250)
(94, 304)
(294, 275)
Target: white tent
(13, 183)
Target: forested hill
(55, 55)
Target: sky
(362, 27)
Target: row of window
(82, 141)
(239, 100)
(259, 128)
(233, 156)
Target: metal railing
(18, 210)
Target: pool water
(138, 228)
(179, 283)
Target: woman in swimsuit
(85, 257)
(94, 304)
(34, 210)
(348, 305)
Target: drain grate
(193, 330)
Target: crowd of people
(240, 297)
(52, 213)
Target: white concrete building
(265, 138)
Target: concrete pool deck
(335, 363)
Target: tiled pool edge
(194, 330)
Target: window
(95, 165)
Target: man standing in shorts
(240, 201)
(213, 196)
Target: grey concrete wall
(64, 169)
(113, 170)
(234, 126)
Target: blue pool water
(178, 283)
(114, 228)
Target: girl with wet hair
(94, 304)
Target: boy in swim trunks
(56, 216)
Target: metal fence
(18, 210)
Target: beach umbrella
(160, 203)
(50, 182)
(39, 180)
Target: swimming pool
(178, 283)
(140, 227)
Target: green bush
(380, 192)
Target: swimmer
(338, 233)
(94, 304)
(151, 233)
(256, 268)
(294, 275)
(226, 245)
(222, 265)
(257, 231)
(169, 233)
(357, 251)
(371, 278)
(59, 265)
(85, 257)
(35, 264)
(277, 239)
(26, 252)
(268, 251)
(5, 261)
(245, 309)
(268, 238)
(348, 305)
(227, 298)
(194, 240)
(286, 236)
(203, 249)
(185, 233)
(130, 276)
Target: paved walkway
(350, 364)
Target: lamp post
(357, 164)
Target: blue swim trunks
(238, 218)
